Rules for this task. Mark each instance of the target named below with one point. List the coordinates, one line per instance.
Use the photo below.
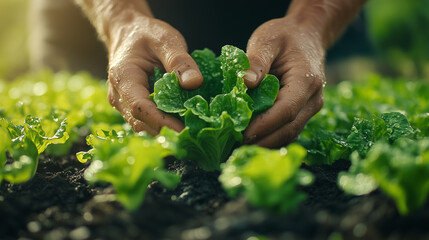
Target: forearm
(106, 15)
(328, 18)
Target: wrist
(306, 31)
(326, 18)
(111, 18)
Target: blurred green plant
(399, 31)
(267, 178)
(382, 126)
(79, 98)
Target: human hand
(295, 54)
(135, 48)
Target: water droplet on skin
(307, 75)
(120, 100)
(312, 75)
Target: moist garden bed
(365, 142)
(59, 204)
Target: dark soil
(59, 204)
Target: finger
(289, 132)
(292, 97)
(136, 124)
(261, 51)
(131, 84)
(174, 57)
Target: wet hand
(295, 54)
(135, 48)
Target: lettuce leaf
(400, 170)
(25, 143)
(387, 126)
(130, 162)
(267, 178)
(78, 97)
(325, 147)
(217, 112)
(352, 106)
(211, 144)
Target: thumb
(178, 60)
(261, 55)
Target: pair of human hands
(283, 47)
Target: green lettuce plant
(267, 178)
(400, 170)
(130, 162)
(78, 97)
(24, 143)
(215, 114)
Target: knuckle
(135, 108)
(111, 98)
(291, 112)
(315, 81)
(137, 126)
(262, 62)
(288, 135)
(173, 59)
(177, 61)
(113, 74)
(296, 129)
(319, 81)
(320, 102)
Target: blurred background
(13, 38)
(390, 37)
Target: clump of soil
(59, 204)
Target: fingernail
(251, 76)
(189, 75)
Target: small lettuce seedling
(215, 114)
(130, 162)
(267, 178)
(25, 143)
(400, 170)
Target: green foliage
(217, 113)
(66, 106)
(382, 126)
(356, 115)
(130, 162)
(328, 146)
(387, 126)
(79, 98)
(214, 115)
(24, 144)
(401, 170)
(267, 178)
(398, 30)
